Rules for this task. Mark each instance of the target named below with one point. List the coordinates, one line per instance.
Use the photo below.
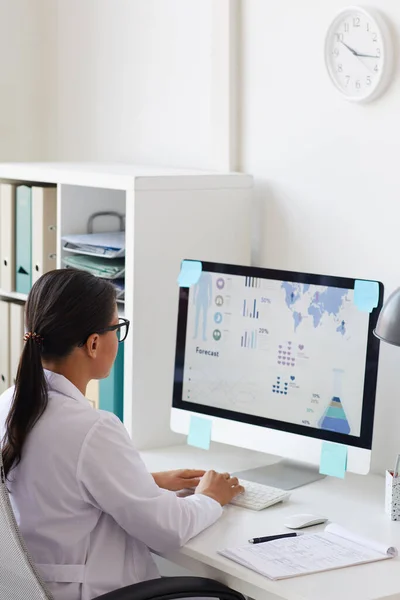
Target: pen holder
(392, 496)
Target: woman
(87, 507)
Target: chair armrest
(168, 588)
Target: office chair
(20, 580)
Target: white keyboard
(258, 496)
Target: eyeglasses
(122, 329)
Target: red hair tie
(33, 336)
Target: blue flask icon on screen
(334, 417)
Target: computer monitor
(281, 362)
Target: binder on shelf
(44, 238)
(107, 268)
(23, 228)
(4, 346)
(111, 397)
(17, 330)
(92, 393)
(7, 237)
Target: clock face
(358, 53)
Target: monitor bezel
(371, 364)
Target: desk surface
(356, 503)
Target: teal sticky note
(333, 460)
(199, 432)
(366, 295)
(190, 273)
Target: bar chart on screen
(250, 309)
(249, 339)
(252, 282)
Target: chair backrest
(19, 579)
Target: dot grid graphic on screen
(280, 350)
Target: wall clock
(359, 53)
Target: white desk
(356, 503)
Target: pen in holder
(392, 492)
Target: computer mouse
(304, 520)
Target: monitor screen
(285, 350)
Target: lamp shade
(388, 325)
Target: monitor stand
(285, 474)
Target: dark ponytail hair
(63, 309)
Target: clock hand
(356, 55)
(348, 48)
(366, 55)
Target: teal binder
(23, 239)
(111, 389)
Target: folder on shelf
(4, 346)
(7, 237)
(107, 268)
(106, 245)
(17, 330)
(111, 397)
(44, 239)
(119, 285)
(23, 228)
(92, 393)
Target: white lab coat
(87, 507)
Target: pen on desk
(397, 466)
(271, 538)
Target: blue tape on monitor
(366, 295)
(333, 460)
(190, 273)
(199, 432)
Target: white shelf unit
(170, 215)
(14, 296)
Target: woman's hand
(178, 480)
(220, 486)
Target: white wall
(27, 69)
(134, 81)
(326, 171)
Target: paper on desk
(334, 548)
(359, 539)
